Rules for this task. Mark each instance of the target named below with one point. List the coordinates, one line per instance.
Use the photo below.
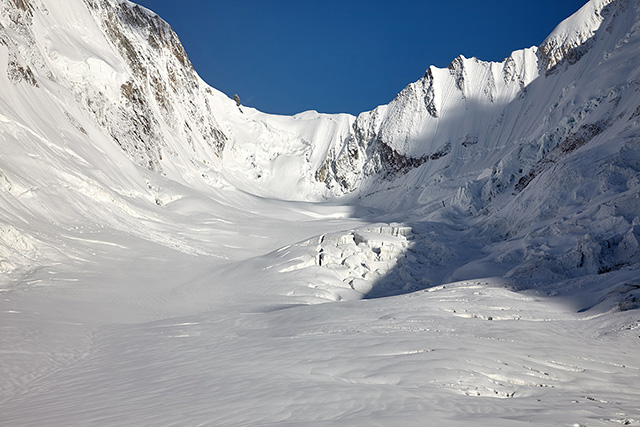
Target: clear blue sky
(287, 56)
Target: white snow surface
(465, 255)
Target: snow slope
(467, 254)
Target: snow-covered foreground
(468, 254)
(155, 336)
(468, 353)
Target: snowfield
(465, 353)
(465, 255)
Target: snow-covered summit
(572, 37)
(477, 103)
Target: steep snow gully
(466, 254)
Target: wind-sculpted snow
(466, 254)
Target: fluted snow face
(445, 109)
(453, 119)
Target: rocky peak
(456, 68)
(573, 37)
(142, 100)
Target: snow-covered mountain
(139, 206)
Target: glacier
(466, 254)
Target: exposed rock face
(156, 96)
(364, 154)
(161, 77)
(574, 38)
(488, 103)
(404, 135)
(18, 16)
